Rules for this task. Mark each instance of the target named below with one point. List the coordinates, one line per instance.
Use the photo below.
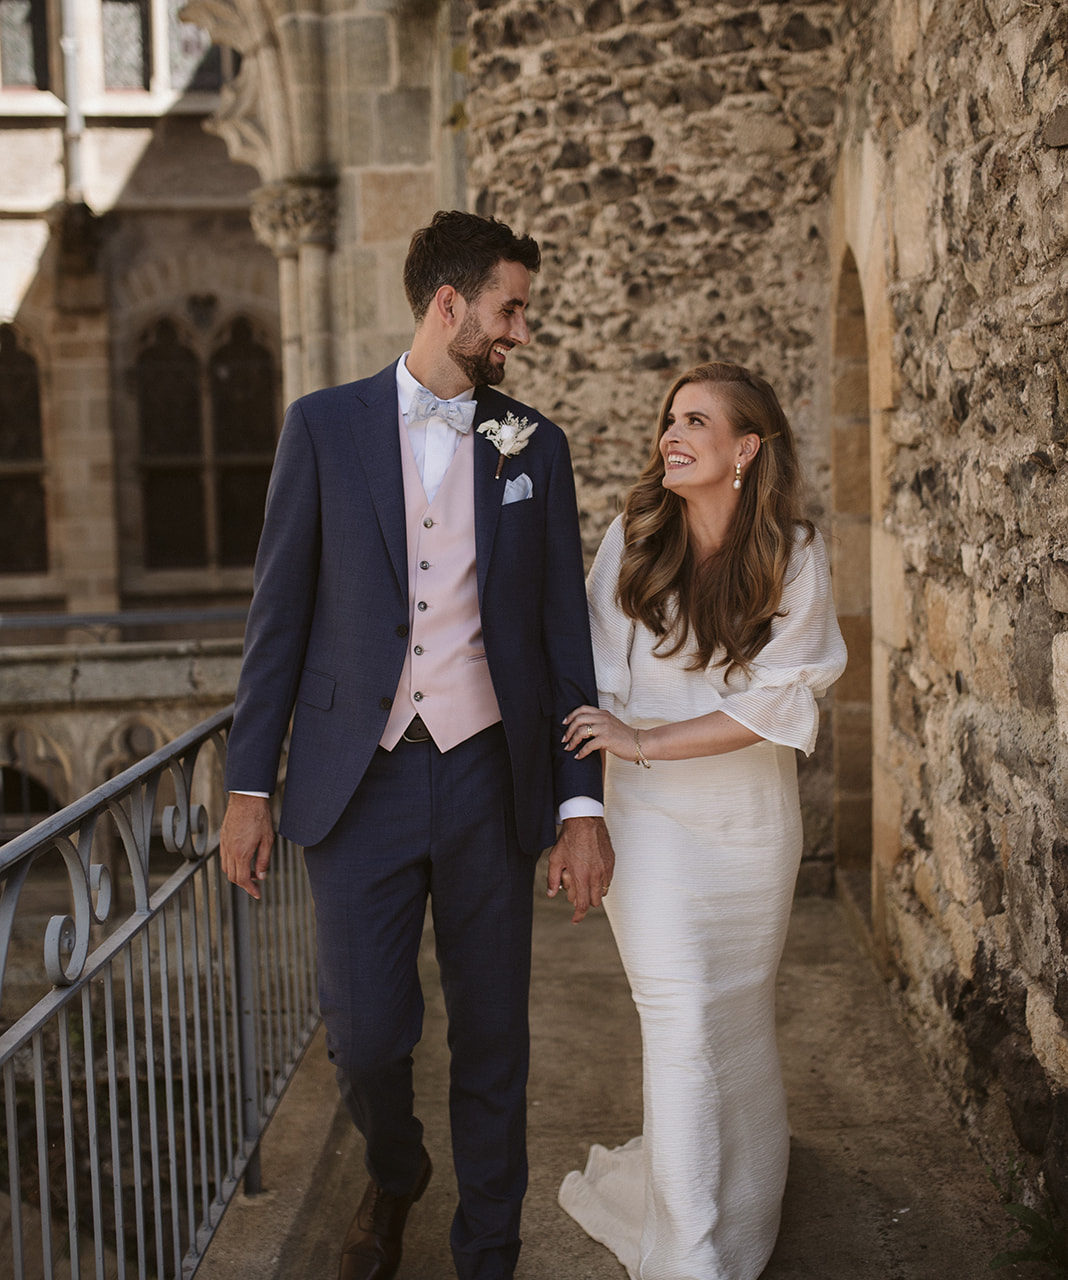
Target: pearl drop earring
(737, 476)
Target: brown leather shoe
(372, 1248)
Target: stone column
(81, 470)
(296, 220)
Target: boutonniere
(511, 436)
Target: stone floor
(882, 1185)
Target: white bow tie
(457, 413)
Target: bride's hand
(591, 729)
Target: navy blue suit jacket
(326, 634)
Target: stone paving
(882, 1184)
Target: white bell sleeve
(804, 655)
(611, 631)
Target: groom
(420, 612)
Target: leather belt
(416, 732)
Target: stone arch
(34, 768)
(851, 561)
(134, 738)
(867, 560)
(184, 282)
(255, 115)
(354, 119)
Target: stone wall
(965, 108)
(723, 179)
(673, 161)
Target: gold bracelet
(639, 758)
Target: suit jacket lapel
(488, 491)
(374, 430)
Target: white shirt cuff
(266, 795)
(579, 807)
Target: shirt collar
(407, 385)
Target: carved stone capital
(238, 24)
(286, 215)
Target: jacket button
(402, 630)
(417, 697)
(385, 703)
(422, 606)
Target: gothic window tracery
(206, 428)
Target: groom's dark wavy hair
(461, 249)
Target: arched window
(23, 529)
(207, 432)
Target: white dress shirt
(434, 442)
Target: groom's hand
(581, 863)
(246, 840)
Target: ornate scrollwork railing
(149, 1019)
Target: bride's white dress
(706, 858)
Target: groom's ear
(448, 305)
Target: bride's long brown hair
(728, 600)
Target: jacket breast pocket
(316, 689)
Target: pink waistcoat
(445, 679)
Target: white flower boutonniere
(510, 436)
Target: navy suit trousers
(423, 823)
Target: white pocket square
(518, 489)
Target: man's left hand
(581, 863)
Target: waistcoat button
(428, 523)
(417, 697)
(422, 606)
(418, 648)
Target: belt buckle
(416, 731)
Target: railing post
(245, 961)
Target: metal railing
(136, 1089)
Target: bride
(713, 632)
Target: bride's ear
(750, 446)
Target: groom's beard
(470, 352)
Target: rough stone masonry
(698, 173)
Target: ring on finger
(589, 731)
